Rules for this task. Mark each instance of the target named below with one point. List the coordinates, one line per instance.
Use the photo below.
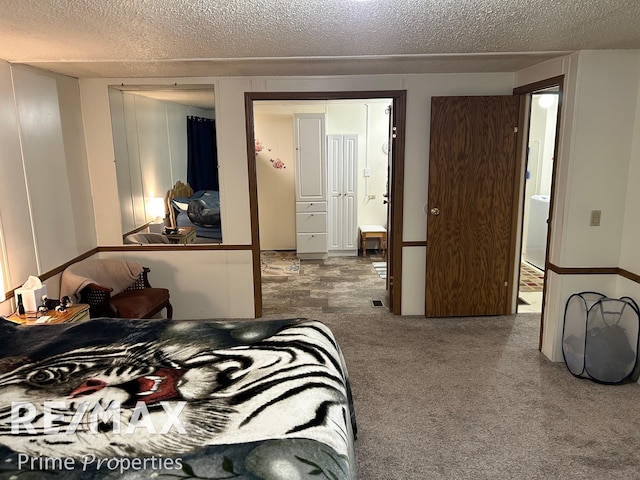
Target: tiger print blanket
(116, 398)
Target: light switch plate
(595, 218)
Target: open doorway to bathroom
(540, 150)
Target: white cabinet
(310, 157)
(311, 192)
(311, 222)
(311, 226)
(342, 164)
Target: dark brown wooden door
(472, 158)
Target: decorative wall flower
(277, 163)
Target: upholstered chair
(115, 288)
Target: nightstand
(73, 314)
(185, 235)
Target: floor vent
(377, 303)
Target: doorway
(540, 154)
(475, 221)
(553, 86)
(254, 103)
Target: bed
(200, 209)
(138, 399)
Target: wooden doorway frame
(526, 91)
(399, 99)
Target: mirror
(166, 163)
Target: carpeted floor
(472, 398)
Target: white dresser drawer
(302, 207)
(311, 243)
(311, 222)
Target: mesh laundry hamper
(600, 337)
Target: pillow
(181, 204)
(202, 214)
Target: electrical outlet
(595, 218)
(371, 197)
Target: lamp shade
(155, 207)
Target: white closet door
(342, 163)
(334, 190)
(349, 201)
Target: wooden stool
(373, 231)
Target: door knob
(435, 212)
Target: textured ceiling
(164, 38)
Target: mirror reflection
(166, 163)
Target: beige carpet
(472, 398)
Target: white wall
(629, 248)
(599, 155)
(46, 209)
(202, 283)
(600, 121)
(19, 257)
(276, 187)
(601, 149)
(373, 211)
(597, 169)
(232, 151)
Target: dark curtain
(202, 154)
